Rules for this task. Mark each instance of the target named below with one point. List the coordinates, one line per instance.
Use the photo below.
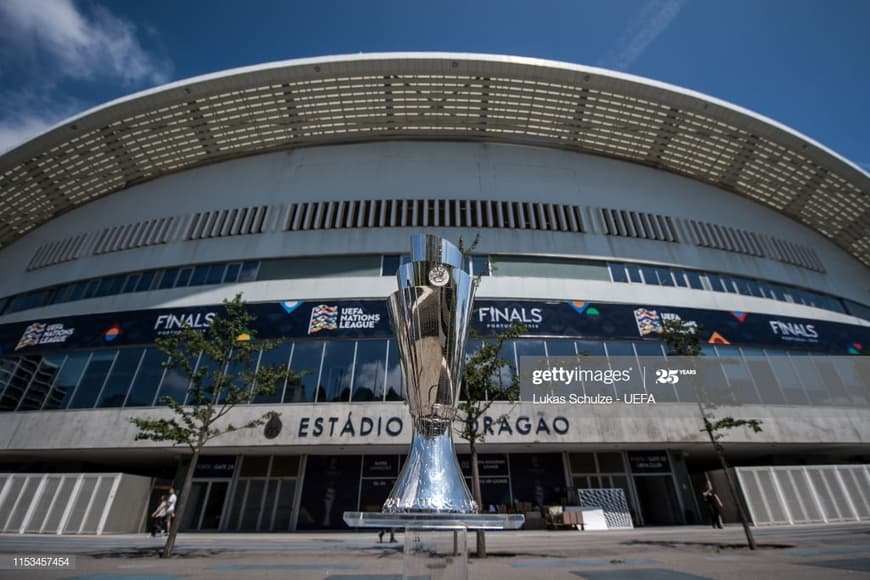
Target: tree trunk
(732, 488)
(475, 489)
(180, 505)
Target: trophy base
(431, 480)
(433, 521)
(436, 545)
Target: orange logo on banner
(717, 338)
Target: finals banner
(326, 319)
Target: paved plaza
(831, 552)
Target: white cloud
(652, 20)
(79, 45)
(17, 130)
(46, 43)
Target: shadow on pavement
(705, 545)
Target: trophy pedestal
(436, 544)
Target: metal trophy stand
(430, 314)
(436, 544)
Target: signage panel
(326, 319)
(649, 462)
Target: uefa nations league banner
(324, 319)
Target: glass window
(145, 281)
(665, 278)
(335, 376)
(115, 389)
(175, 384)
(232, 273)
(762, 374)
(617, 272)
(16, 383)
(480, 265)
(648, 348)
(209, 366)
(715, 282)
(91, 289)
(77, 290)
(590, 348)
(147, 379)
(183, 277)
(306, 361)
(561, 348)
(67, 379)
(238, 371)
(40, 384)
(849, 373)
(505, 374)
(130, 282)
(59, 295)
(255, 466)
(831, 379)
(753, 288)
(633, 271)
(198, 276)
(110, 286)
(694, 280)
(277, 357)
(649, 275)
(249, 271)
(814, 386)
(395, 381)
(543, 267)
(679, 278)
(526, 347)
(93, 379)
(738, 375)
(786, 377)
(610, 463)
(168, 279)
(215, 274)
(529, 347)
(619, 349)
(368, 375)
(390, 264)
(582, 462)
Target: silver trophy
(430, 314)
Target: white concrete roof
(440, 96)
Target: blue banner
(325, 319)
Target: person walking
(158, 517)
(714, 504)
(170, 508)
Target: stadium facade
(604, 204)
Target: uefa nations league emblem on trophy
(430, 314)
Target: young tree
(488, 377)
(225, 377)
(681, 339)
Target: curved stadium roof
(464, 97)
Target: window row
(368, 370)
(330, 371)
(387, 265)
(158, 279)
(746, 375)
(662, 276)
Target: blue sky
(800, 62)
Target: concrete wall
(343, 428)
(429, 170)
